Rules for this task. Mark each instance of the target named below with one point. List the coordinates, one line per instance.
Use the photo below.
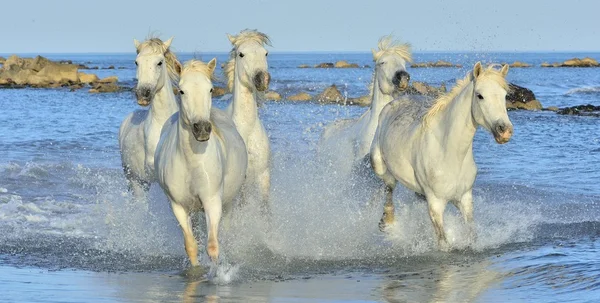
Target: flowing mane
(387, 44)
(156, 46)
(197, 66)
(442, 101)
(243, 37)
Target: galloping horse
(247, 73)
(430, 149)
(389, 78)
(201, 159)
(157, 71)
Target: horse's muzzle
(201, 130)
(143, 95)
(502, 132)
(400, 80)
(261, 81)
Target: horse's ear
(211, 65)
(504, 70)
(477, 69)
(168, 42)
(374, 54)
(231, 38)
(136, 43)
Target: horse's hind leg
(185, 222)
(436, 213)
(465, 205)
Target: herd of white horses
(204, 157)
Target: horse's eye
(136, 63)
(160, 63)
(267, 54)
(479, 96)
(241, 55)
(381, 63)
(180, 92)
(211, 90)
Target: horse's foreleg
(213, 209)
(436, 213)
(139, 188)
(264, 188)
(465, 205)
(388, 217)
(185, 221)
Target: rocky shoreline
(40, 72)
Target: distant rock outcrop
(338, 64)
(580, 110)
(575, 62)
(345, 64)
(439, 63)
(518, 64)
(300, 97)
(43, 73)
(272, 96)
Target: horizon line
(308, 52)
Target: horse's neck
(378, 101)
(244, 108)
(455, 126)
(164, 105)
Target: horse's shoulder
(138, 116)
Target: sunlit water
(70, 232)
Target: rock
(575, 62)
(110, 79)
(519, 64)
(519, 97)
(271, 96)
(361, 101)
(93, 91)
(87, 78)
(304, 66)
(344, 64)
(330, 95)
(300, 97)
(105, 88)
(439, 63)
(122, 67)
(2, 60)
(111, 67)
(325, 65)
(218, 91)
(581, 110)
(551, 108)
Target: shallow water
(69, 231)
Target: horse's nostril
(196, 127)
(209, 127)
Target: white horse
(389, 78)
(201, 159)
(157, 71)
(247, 74)
(430, 149)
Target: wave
(584, 90)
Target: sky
(68, 26)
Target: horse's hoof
(195, 273)
(383, 226)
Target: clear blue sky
(43, 26)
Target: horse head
(390, 65)
(249, 60)
(196, 89)
(489, 101)
(155, 65)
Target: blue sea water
(69, 232)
